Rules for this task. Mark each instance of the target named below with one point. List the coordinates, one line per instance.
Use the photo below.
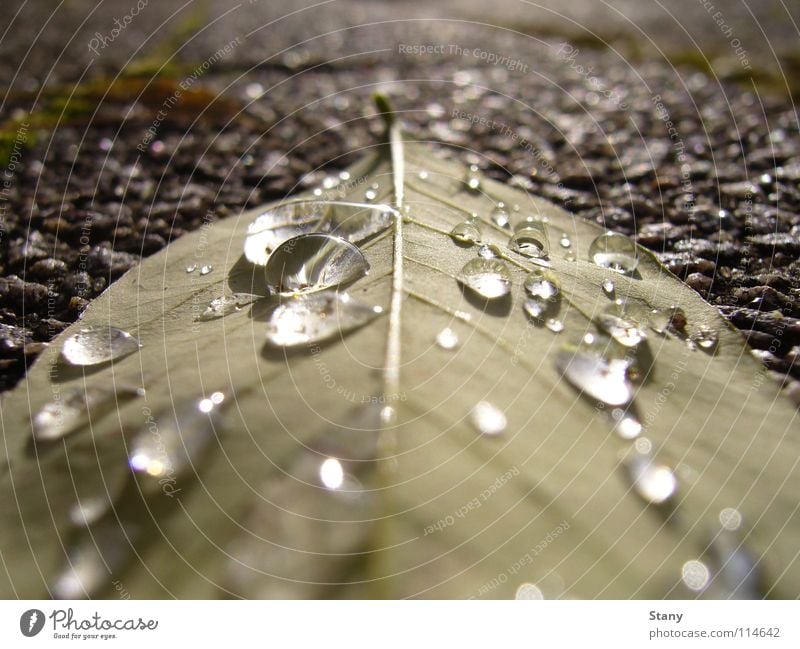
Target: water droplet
(423, 175)
(609, 288)
(489, 251)
(625, 424)
(531, 241)
(556, 326)
(447, 339)
(661, 320)
(695, 575)
(331, 473)
(330, 182)
(565, 241)
(593, 368)
(500, 216)
(705, 338)
(654, 483)
(614, 251)
(354, 222)
(472, 179)
(489, 278)
(730, 519)
(542, 284)
(488, 419)
(171, 442)
(314, 262)
(570, 256)
(191, 268)
(370, 195)
(467, 232)
(529, 591)
(315, 317)
(205, 270)
(227, 304)
(643, 445)
(535, 308)
(95, 344)
(74, 407)
(625, 331)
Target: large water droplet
(705, 338)
(315, 317)
(447, 339)
(354, 222)
(227, 304)
(531, 241)
(74, 408)
(594, 368)
(614, 251)
(654, 483)
(171, 442)
(488, 419)
(489, 278)
(467, 232)
(95, 344)
(314, 262)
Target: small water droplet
(531, 241)
(730, 519)
(370, 194)
(609, 288)
(705, 338)
(489, 251)
(661, 320)
(227, 304)
(330, 182)
(472, 179)
(314, 262)
(565, 241)
(488, 419)
(423, 175)
(654, 483)
(75, 406)
(331, 473)
(171, 442)
(592, 368)
(95, 344)
(191, 268)
(695, 575)
(570, 256)
(205, 270)
(447, 339)
(625, 331)
(467, 232)
(625, 424)
(317, 316)
(500, 216)
(489, 278)
(614, 251)
(529, 591)
(556, 326)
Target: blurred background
(126, 123)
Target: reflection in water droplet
(191, 269)
(489, 278)
(472, 179)
(542, 284)
(447, 338)
(74, 407)
(529, 591)
(556, 326)
(608, 287)
(95, 344)
(499, 216)
(730, 519)
(614, 251)
(625, 331)
(205, 270)
(534, 308)
(489, 251)
(625, 424)
(593, 368)
(654, 483)
(661, 320)
(227, 304)
(705, 338)
(466, 232)
(315, 317)
(172, 441)
(488, 419)
(531, 241)
(695, 575)
(354, 222)
(314, 262)
(331, 473)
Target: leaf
(381, 463)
